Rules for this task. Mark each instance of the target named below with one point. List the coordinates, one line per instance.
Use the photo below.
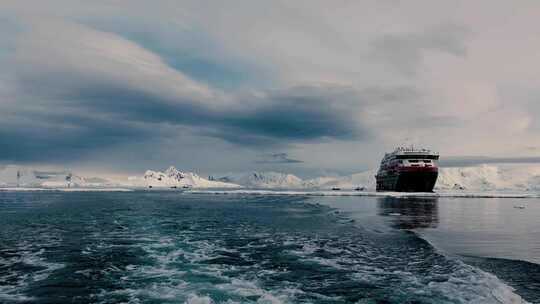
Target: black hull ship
(408, 170)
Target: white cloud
(59, 51)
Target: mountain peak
(175, 173)
(171, 169)
(173, 177)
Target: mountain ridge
(474, 178)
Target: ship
(408, 169)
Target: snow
(514, 177)
(21, 176)
(277, 180)
(490, 177)
(365, 180)
(265, 180)
(30, 178)
(510, 178)
(172, 177)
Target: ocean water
(172, 247)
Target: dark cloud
(76, 91)
(464, 161)
(80, 90)
(296, 114)
(99, 116)
(277, 158)
(58, 138)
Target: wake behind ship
(408, 170)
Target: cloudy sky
(299, 86)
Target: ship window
(412, 156)
(413, 160)
(427, 160)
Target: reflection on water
(488, 227)
(410, 213)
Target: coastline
(288, 192)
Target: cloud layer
(91, 89)
(335, 86)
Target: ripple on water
(24, 263)
(171, 249)
(286, 268)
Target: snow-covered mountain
(363, 180)
(490, 177)
(277, 180)
(174, 178)
(477, 178)
(518, 177)
(264, 180)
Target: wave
(24, 263)
(281, 268)
(236, 249)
